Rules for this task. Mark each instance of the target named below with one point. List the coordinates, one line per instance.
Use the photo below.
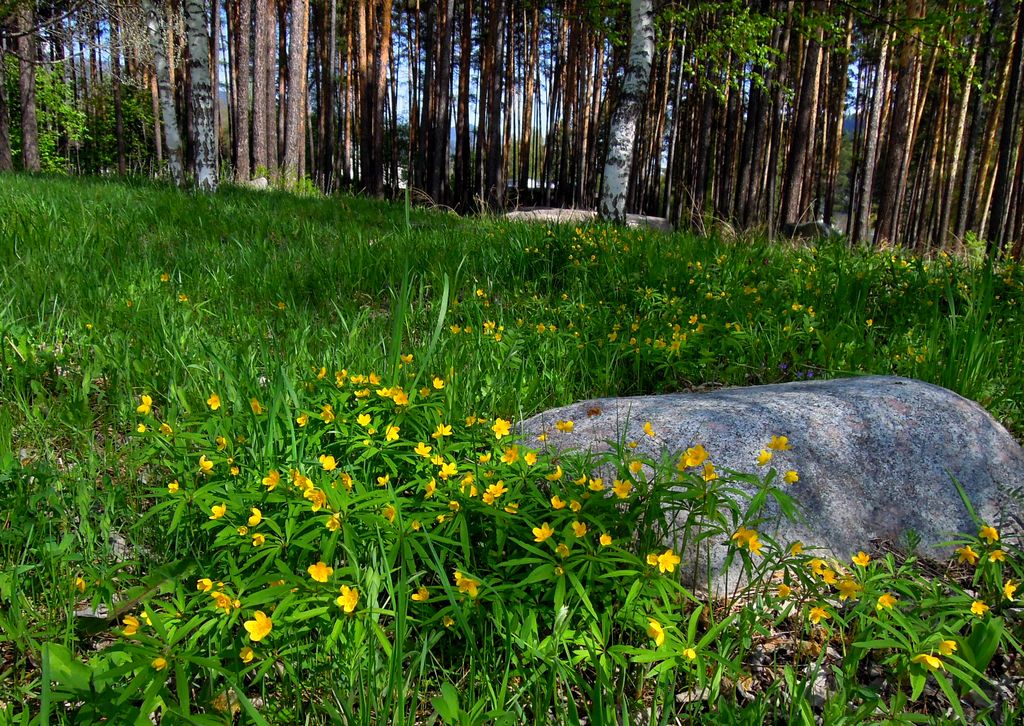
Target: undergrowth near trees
(258, 461)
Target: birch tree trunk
(204, 136)
(165, 90)
(619, 158)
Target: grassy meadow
(258, 465)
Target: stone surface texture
(875, 455)
(570, 216)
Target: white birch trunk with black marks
(157, 33)
(204, 135)
(619, 159)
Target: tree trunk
(862, 216)
(382, 62)
(204, 137)
(463, 169)
(242, 75)
(295, 126)
(158, 42)
(619, 158)
(803, 135)
(30, 160)
(6, 159)
(996, 236)
(115, 78)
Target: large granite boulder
(875, 455)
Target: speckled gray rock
(875, 455)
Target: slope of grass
(324, 324)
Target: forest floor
(250, 437)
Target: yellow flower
(327, 413)
(213, 401)
(141, 428)
(596, 485)
(562, 550)
(243, 531)
(511, 455)
(652, 559)
(501, 428)
(320, 571)
(779, 443)
(258, 540)
(747, 538)
(997, 556)
(165, 277)
(447, 621)
(966, 554)
(256, 517)
(131, 626)
(328, 462)
(564, 426)
(764, 457)
(272, 479)
(947, 647)
(173, 487)
(1009, 589)
(302, 419)
(557, 502)
(391, 433)
(783, 590)
(979, 608)
(606, 539)
(218, 510)
(886, 601)
(146, 407)
(246, 654)
(221, 442)
(466, 584)
(927, 660)
(421, 595)
(348, 599)
(80, 584)
(556, 474)
(694, 456)
(709, 473)
(542, 532)
(205, 465)
(989, 534)
(817, 614)
(259, 627)
(423, 450)
(635, 466)
(621, 488)
(204, 584)
(848, 589)
(389, 512)
(790, 477)
(448, 469)
(530, 458)
(579, 529)
(166, 429)
(656, 632)
(441, 431)
(159, 663)
(690, 653)
(438, 383)
(494, 491)
(454, 505)
(648, 429)
(796, 548)
(862, 559)
(667, 561)
(256, 406)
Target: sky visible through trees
(898, 123)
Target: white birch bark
(157, 33)
(204, 135)
(619, 159)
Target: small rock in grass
(875, 457)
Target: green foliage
(285, 307)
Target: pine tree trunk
(158, 40)
(30, 160)
(862, 216)
(242, 101)
(999, 218)
(619, 158)
(803, 135)
(115, 62)
(382, 62)
(295, 125)
(463, 169)
(204, 137)
(6, 158)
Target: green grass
(112, 291)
